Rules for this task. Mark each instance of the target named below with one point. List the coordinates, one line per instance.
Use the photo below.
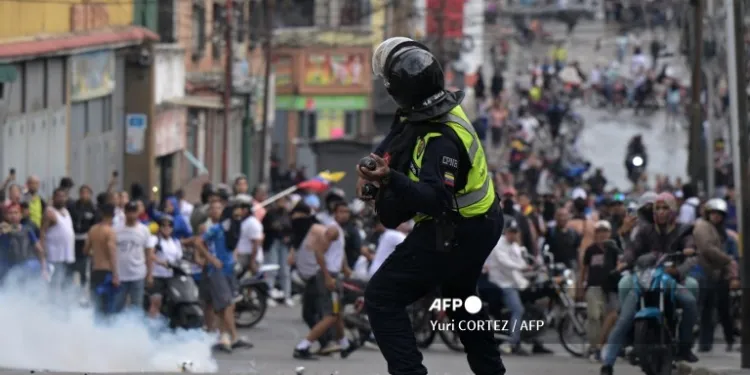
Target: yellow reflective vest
(477, 196)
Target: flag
(332, 176)
(321, 182)
(315, 184)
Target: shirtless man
(102, 248)
(320, 259)
(582, 225)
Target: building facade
(323, 75)
(191, 142)
(66, 93)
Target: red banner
(452, 12)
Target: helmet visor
(382, 51)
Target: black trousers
(311, 312)
(414, 269)
(714, 296)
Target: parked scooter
(180, 300)
(254, 291)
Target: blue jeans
(512, 300)
(628, 308)
(133, 289)
(277, 254)
(626, 285)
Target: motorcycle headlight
(645, 278)
(568, 274)
(637, 161)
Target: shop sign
(283, 69)
(309, 103)
(8, 73)
(170, 132)
(335, 69)
(92, 75)
(135, 133)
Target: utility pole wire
(227, 88)
(695, 156)
(268, 5)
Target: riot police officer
(430, 168)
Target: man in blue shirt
(219, 285)
(19, 246)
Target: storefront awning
(214, 102)
(69, 43)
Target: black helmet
(510, 223)
(412, 75)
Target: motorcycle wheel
(566, 326)
(251, 309)
(452, 340)
(420, 325)
(654, 359)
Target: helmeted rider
(717, 271)
(635, 148)
(663, 236)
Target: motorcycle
(354, 315)
(550, 281)
(636, 165)
(180, 301)
(655, 324)
(254, 291)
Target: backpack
(231, 233)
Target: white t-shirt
(251, 230)
(119, 218)
(529, 125)
(132, 243)
(387, 243)
(169, 250)
(638, 64)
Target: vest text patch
(451, 162)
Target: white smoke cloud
(45, 330)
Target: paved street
(605, 136)
(276, 336)
(126, 349)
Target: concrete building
(323, 77)
(190, 145)
(71, 73)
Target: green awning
(8, 73)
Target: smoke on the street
(45, 330)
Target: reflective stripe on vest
(466, 202)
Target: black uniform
(445, 251)
(416, 267)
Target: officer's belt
(476, 196)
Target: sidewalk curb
(686, 369)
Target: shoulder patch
(449, 179)
(420, 147)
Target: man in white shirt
(326, 244)
(505, 265)
(58, 238)
(250, 244)
(387, 244)
(134, 252)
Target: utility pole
(695, 158)
(710, 93)
(229, 56)
(440, 48)
(740, 151)
(268, 8)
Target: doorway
(166, 174)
